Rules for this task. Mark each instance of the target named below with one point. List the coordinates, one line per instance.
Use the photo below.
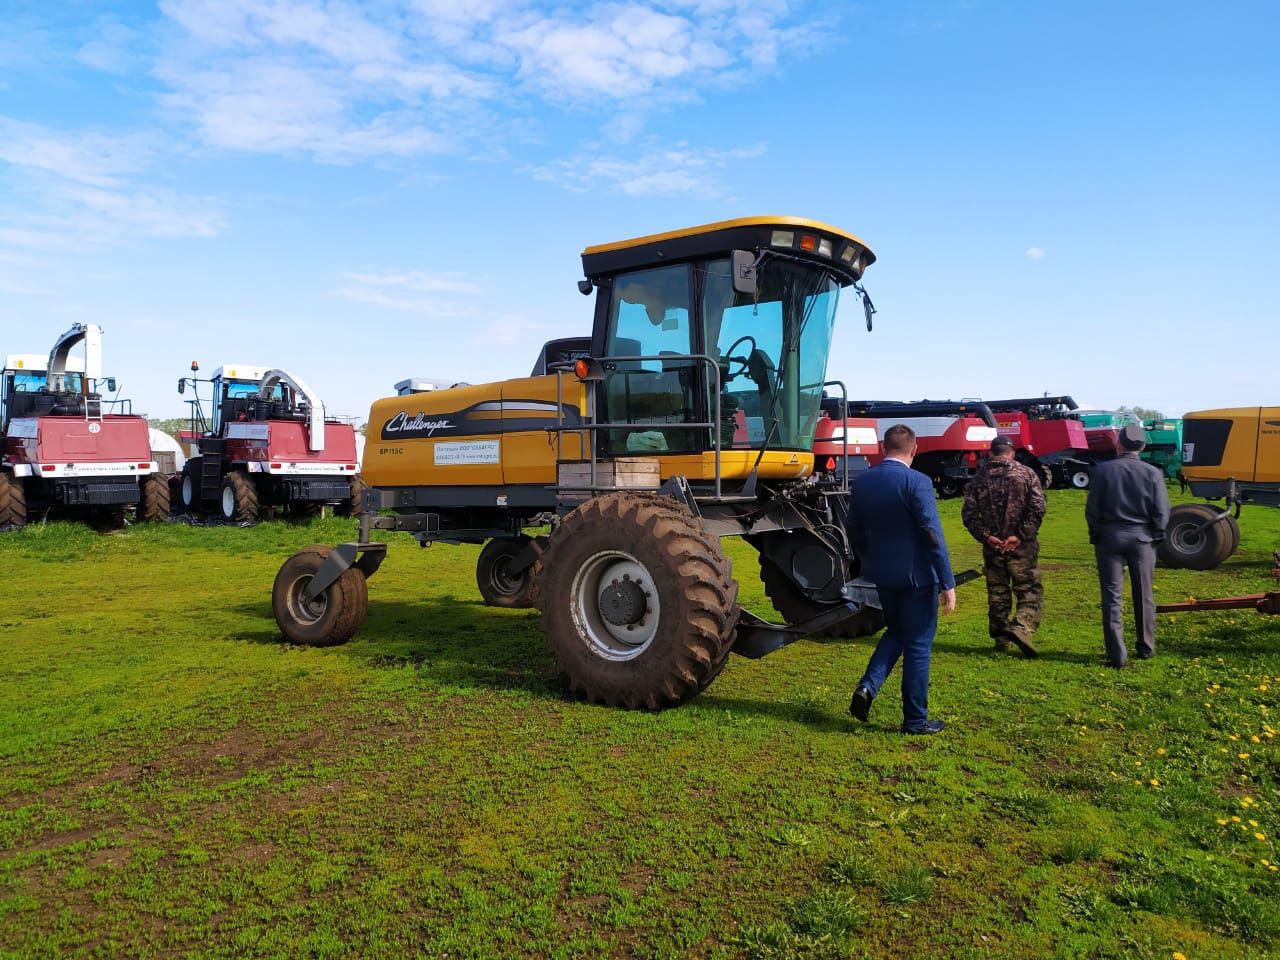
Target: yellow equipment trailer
(688, 415)
(1231, 455)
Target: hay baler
(691, 419)
(65, 448)
(265, 443)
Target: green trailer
(1164, 445)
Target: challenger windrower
(687, 415)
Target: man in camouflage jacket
(1003, 508)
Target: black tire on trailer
(950, 487)
(13, 501)
(637, 601)
(238, 498)
(153, 505)
(304, 509)
(795, 607)
(1080, 477)
(1187, 547)
(1233, 526)
(189, 491)
(333, 617)
(497, 586)
(352, 507)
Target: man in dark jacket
(893, 524)
(1003, 508)
(1127, 512)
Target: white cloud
(85, 188)
(659, 171)
(345, 81)
(113, 49)
(445, 297)
(1035, 253)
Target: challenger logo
(403, 426)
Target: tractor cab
(24, 388)
(715, 339)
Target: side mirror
(744, 272)
(182, 385)
(111, 384)
(868, 308)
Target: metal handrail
(585, 429)
(844, 431)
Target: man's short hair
(899, 439)
(1001, 445)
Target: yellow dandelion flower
(1255, 739)
(1247, 801)
(1223, 750)
(1222, 823)
(1243, 756)
(1259, 835)
(1272, 868)
(1179, 956)
(1161, 751)
(1235, 819)
(1233, 737)
(1253, 823)
(1265, 863)
(1155, 781)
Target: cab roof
(846, 254)
(39, 363)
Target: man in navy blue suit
(893, 524)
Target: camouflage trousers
(1013, 576)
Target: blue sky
(1067, 197)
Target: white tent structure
(165, 449)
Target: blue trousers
(911, 616)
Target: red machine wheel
(238, 499)
(333, 617)
(13, 501)
(153, 507)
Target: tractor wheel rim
(1080, 480)
(607, 640)
(302, 610)
(1185, 539)
(502, 581)
(188, 492)
(228, 502)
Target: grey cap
(1000, 444)
(1132, 437)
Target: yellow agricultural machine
(686, 417)
(1232, 456)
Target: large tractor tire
(353, 507)
(238, 499)
(13, 501)
(333, 617)
(637, 601)
(153, 507)
(189, 491)
(1046, 476)
(795, 607)
(1186, 547)
(498, 586)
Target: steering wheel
(727, 357)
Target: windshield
(35, 382)
(772, 349)
(242, 388)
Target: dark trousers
(1013, 576)
(911, 619)
(1116, 551)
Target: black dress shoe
(860, 705)
(925, 729)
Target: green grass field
(175, 781)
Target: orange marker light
(831, 463)
(582, 369)
(808, 242)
